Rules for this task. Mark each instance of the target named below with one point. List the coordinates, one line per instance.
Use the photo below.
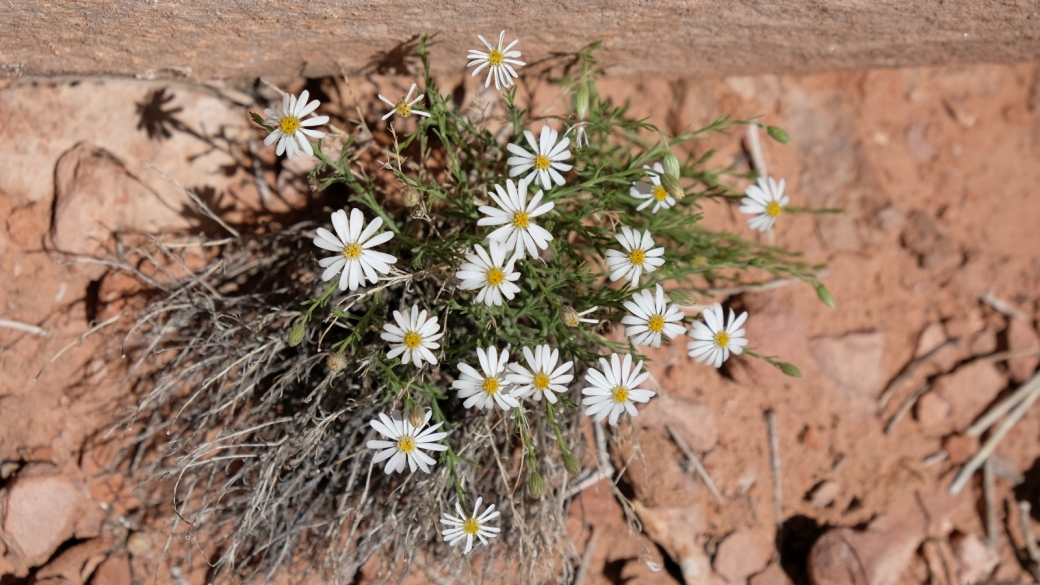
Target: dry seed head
(672, 185)
(336, 362)
(416, 416)
(411, 197)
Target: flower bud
(672, 186)
(569, 316)
(824, 294)
(416, 416)
(581, 101)
(535, 484)
(778, 134)
(671, 163)
(296, 334)
(336, 361)
(682, 298)
(571, 463)
(411, 197)
(789, 369)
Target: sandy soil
(937, 248)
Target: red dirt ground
(935, 168)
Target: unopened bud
(824, 294)
(778, 134)
(535, 484)
(671, 163)
(581, 101)
(672, 186)
(682, 298)
(571, 463)
(296, 334)
(411, 197)
(789, 369)
(416, 416)
(336, 361)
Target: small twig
(758, 157)
(199, 203)
(998, 435)
(696, 463)
(1005, 406)
(1024, 509)
(728, 291)
(774, 456)
(1006, 355)
(937, 457)
(586, 558)
(78, 341)
(601, 449)
(24, 327)
(988, 494)
(899, 380)
(1002, 306)
(1004, 469)
(258, 171)
(905, 406)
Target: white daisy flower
(541, 376)
(491, 273)
(468, 526)
(414, 336)
(639, 256)
(404, 107)
(289, 126)
(653, 192)
(650, 317)
(406, 443)
(714, 340)
(545, 161)
(515, 215)
(572, 318)
(356, 258)
(614, 388)
(765, 201)
(499, 60)
(484, 390)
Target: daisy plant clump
(439, 328)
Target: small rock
(917, 143)
(966, 325)
(853, 362)
(976, 560)
(742, 554)
(1022, 337)
(890, 218)
(773, 575)
(695, 422)
(114, 571)
(924, 239)
(75, 565)
(933, 413)
(969, 390)
(39, 510)
(984, 343)
(824, 494)
(960, 447)
(139, 544)
(931, 337)
(7, 469)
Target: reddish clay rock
(676, 531)
(39, 510)
(75, 565)
(931, 337)
(969, 390)
(695, 422)
(773, 575)
(976, 560)
(933, 413)
(960, 447)
(1022, 337)
(742, 554)
(853, 362)
(114, 571)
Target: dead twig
(1002, 306)
(990, 418)
(1024, 508)
(728, 291)
(909, 371)
(78, 341)
(905, 407)
(24, 327)
(754, 144)
(199, 203)
(988, 494)
(774, 457)
(998, 435)
(696, 463)
(586, 558)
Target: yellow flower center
(541, 381)
(660, 193)
(406, 445)
(471, 526)
(289, 124)
(495, 58)
(656, 323)
(773, 209)
(620, 394)
(637, 257)
(721, 339)
(403, 110)
(352, 251)
(412, 340)
(541, 162)
(521, 219)
(490, 385)
(495, 277)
